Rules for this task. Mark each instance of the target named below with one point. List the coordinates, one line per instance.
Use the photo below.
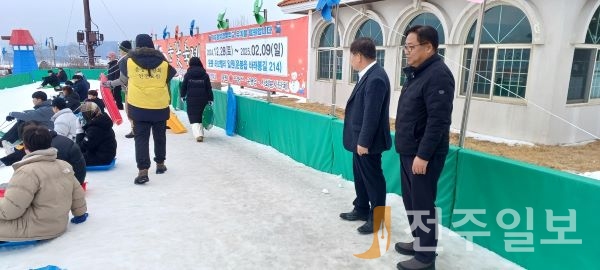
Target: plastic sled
(175, 125)
(208, 117)
(49, 267)
(109, 102)
(231, 112)
(102, 167)
(17, 244)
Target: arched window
(371, 29)
(325, 55)
(584, 85)
(423, 19)
(503, 54)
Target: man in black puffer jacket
(67, 151)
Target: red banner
(272, 56)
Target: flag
(192, 28)
(165, 33)
(257, 9)
(221, 22)
(326, 7)
(476, 1)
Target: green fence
(38, 75)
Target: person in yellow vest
(147, 74)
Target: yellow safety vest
(147, 90)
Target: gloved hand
(79, 219)
(9, 118)
(106, 84)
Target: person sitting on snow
(51, 79)
(65, 122)
(40, 193)
(62, 75)
(42, 112)
(97, 143)
(81, 86)
(72, 98)
(68, 151)
(93, 97)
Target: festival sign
(270, 57)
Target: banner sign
(270, 57)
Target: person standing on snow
(147, 75)
(115, 83)
(196, 90)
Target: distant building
(24, 57)
(543, 50)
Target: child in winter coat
(40, 193)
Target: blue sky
(122, 19)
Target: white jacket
(66, 123)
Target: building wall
(557, 26)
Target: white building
(543, 50)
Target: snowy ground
(226, 203)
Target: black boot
(130, 135)
(160, 168)
(142, 177)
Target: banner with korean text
(270, 57)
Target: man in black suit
(367, 132)
(422, 139)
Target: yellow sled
(175, 125)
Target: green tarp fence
(37, 75)
(505, 189)
(542, 212)
(15, 80)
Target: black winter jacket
(197, 92)
(425, 110)
(98, 144)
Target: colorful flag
(326, 7)
(192, 28)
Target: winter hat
(77, 77)
(59, 103)
(40, 95)
(144, 41)
(125, 45)
(89, 110)
(195, 62)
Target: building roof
(21, 37)
(291, 2)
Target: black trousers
(12, 135)
(142, 130)
(369, 183)
(419, 193)
(116, 92)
